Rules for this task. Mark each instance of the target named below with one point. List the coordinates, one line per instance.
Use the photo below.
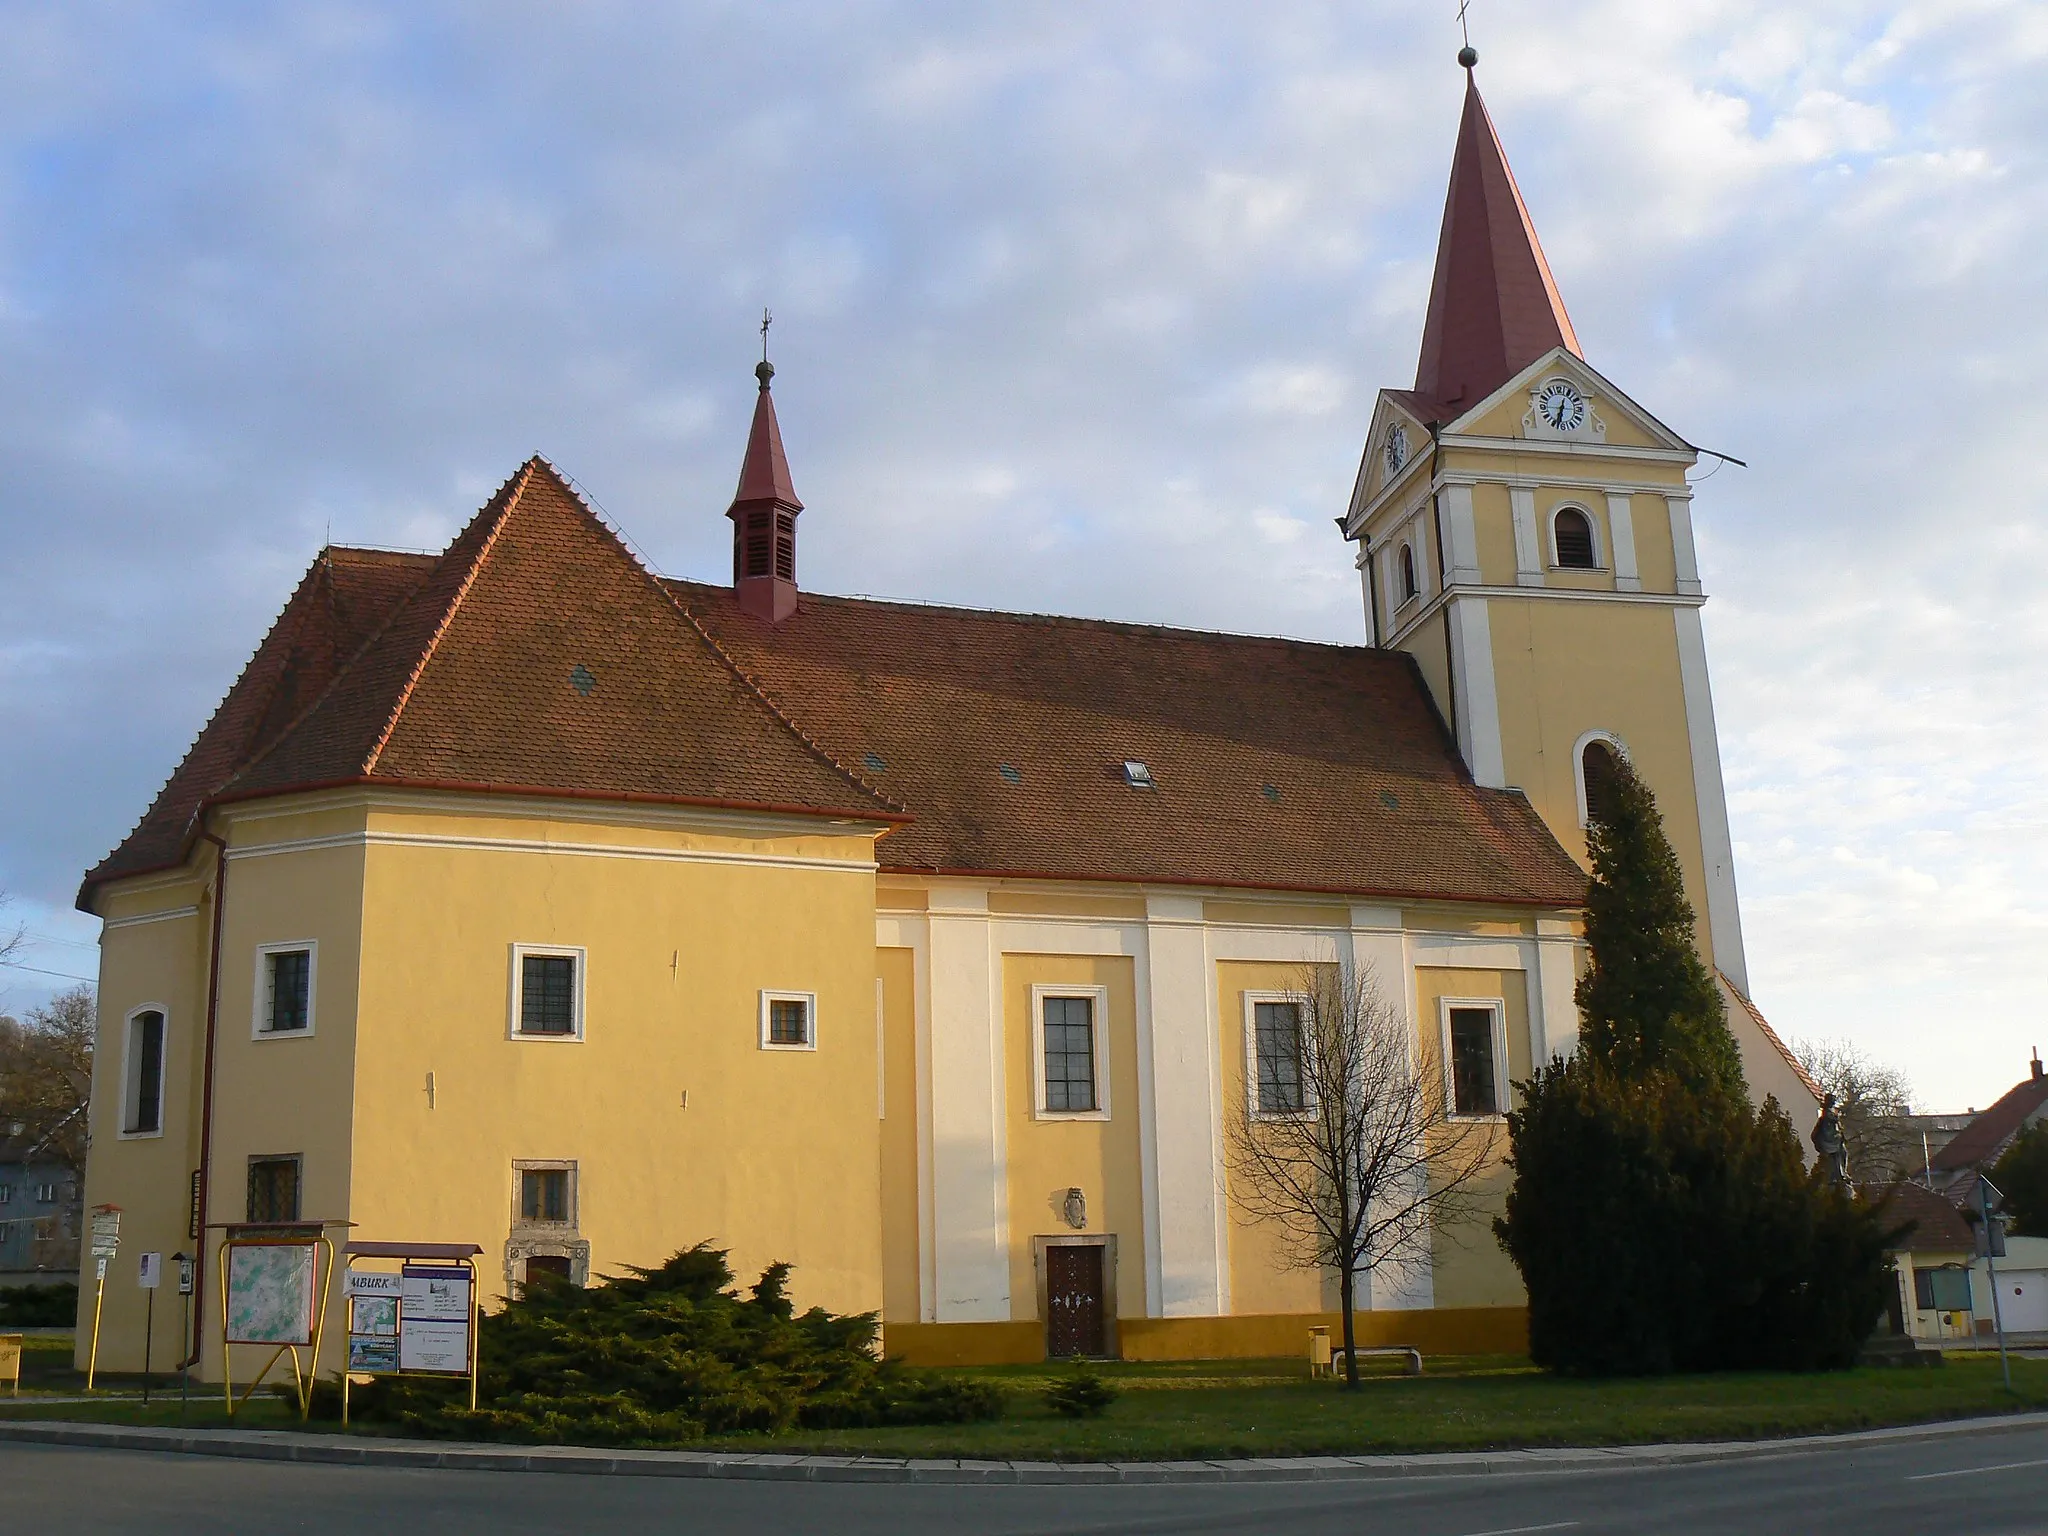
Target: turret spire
(764, 512)
(1494, 307)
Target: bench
(1323, 1356)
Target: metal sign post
(106, 1241)
(1991, 1234)
(184, 1263)
(149, 1276)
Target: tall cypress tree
(1649, 1002)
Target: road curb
(336, 1450)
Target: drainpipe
(220, 902)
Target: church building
(516, 895)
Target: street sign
(151, 1273)
(184, 1275)
(106, 1231)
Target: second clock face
(1397, 449)
(1561, 407)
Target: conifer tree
(1649, 1003)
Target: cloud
(1106, 289)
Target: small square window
(544, 1195)
(47, 1193)
(6, 1194)
(285, 989)
(789, 1021)
(274, 1188)
(547, 992)
(547, 995)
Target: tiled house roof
(1979, 1143)
(534, 654)
(1937, 1226)
(1278, 764)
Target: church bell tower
(1524, 531)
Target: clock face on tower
(1560, 406)
(1397, 450)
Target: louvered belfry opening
(764, 513)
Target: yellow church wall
(1562, 669)
(1505, 417)
(1262, 1280)
(153, 955)
(1048, 1155)
(1493, 518)
(774, 1155)
(1280, 914)
(1426, 645)
(901, 1261)
(283, 1095)
(1466, 1265)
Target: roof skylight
(1138, 775)
(1011, 773)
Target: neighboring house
(585, 915)
(39, 1213)
(1982, 1141)
(1933, 1264)
(2022, 1287)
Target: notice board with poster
(418, 1320)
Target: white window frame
(1098, 1022)
(522, 1166)
(1579, 765)
(810, 1002)
(131, 1067)
(1251, 1056)
(1600, 561)
(260, 1010)
(46, 1194)
(1406, 565)
(1497, 1006)
(517, 989)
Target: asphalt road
(1994, 1481)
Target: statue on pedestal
(1829, 1143)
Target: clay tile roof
(534, 654)
(1494, 308)
(1756, 1017)
(1981, 1141)
(1938, 1227)
(1277, 764)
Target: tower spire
(764, 511)
(1494, 308)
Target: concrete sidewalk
(342, 1450)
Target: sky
(1079, 309)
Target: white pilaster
(970, 1186)
(1684, 556)
(1553, 1009)
(1478, 722)
(1180, 1108)
(1461, 536)
(1528, 548)
(1621, 532)
(1724, 915)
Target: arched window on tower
(1599, 765)
(1408, 586)
(1573, 531)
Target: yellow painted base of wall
(1438, 1331)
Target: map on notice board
(270, 1294)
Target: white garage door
(2023, 1299)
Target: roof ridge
(1016, 616)
(1757, 1016)
(747, 680)
(342, 671)
(508, 498)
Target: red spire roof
(1494, 307)
(764, 472)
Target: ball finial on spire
(764, 371)
(1468, 55)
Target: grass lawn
(1269, 1408)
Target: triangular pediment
(1520, 409)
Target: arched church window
(1599, 766)
(1573, 531)
(1408, 586)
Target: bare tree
(46, 1073)
(1346, 1139)
(10, 941)
(1873, 1102)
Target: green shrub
(1660, 1229)
(1083, 1395)
(667, 1355)
(2021, 1174)
(39, 1306)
